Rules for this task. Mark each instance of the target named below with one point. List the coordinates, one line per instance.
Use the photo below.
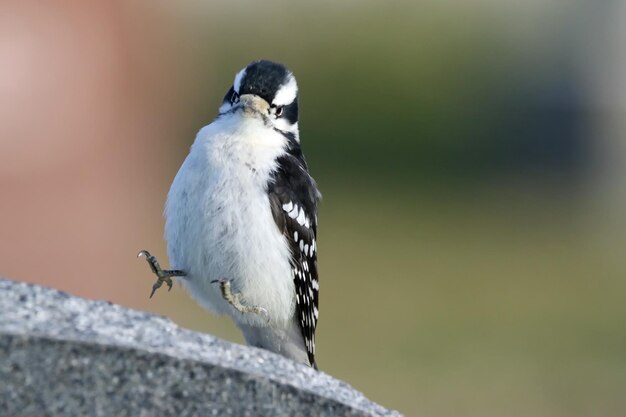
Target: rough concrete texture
(65, 356)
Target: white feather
(219, 223)
(225, 107)
(238, 79)
(287, 93)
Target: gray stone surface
(65, 356)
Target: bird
(241, 217)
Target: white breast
(219, 222)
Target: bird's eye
(234, 98)
(279, 111)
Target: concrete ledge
(65, 356)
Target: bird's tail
(287, 342)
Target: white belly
(219, 224)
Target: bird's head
(268, 91)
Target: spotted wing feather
(294, 196)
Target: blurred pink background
(88, 106)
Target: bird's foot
(163, 275)
(234, 299)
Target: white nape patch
(306, 222)
(287, 92)
(238, 79)
(287, 207)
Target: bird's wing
(293, 197)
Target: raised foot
(163, 275)
(234, 299)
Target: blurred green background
(471, 157)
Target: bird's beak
(253, 105)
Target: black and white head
(268, 91)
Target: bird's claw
(163, 275)
(234, 300)
(159, 282)
(263, 312)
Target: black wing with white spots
(294, 196)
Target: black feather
(291, 186)
(264, 78)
